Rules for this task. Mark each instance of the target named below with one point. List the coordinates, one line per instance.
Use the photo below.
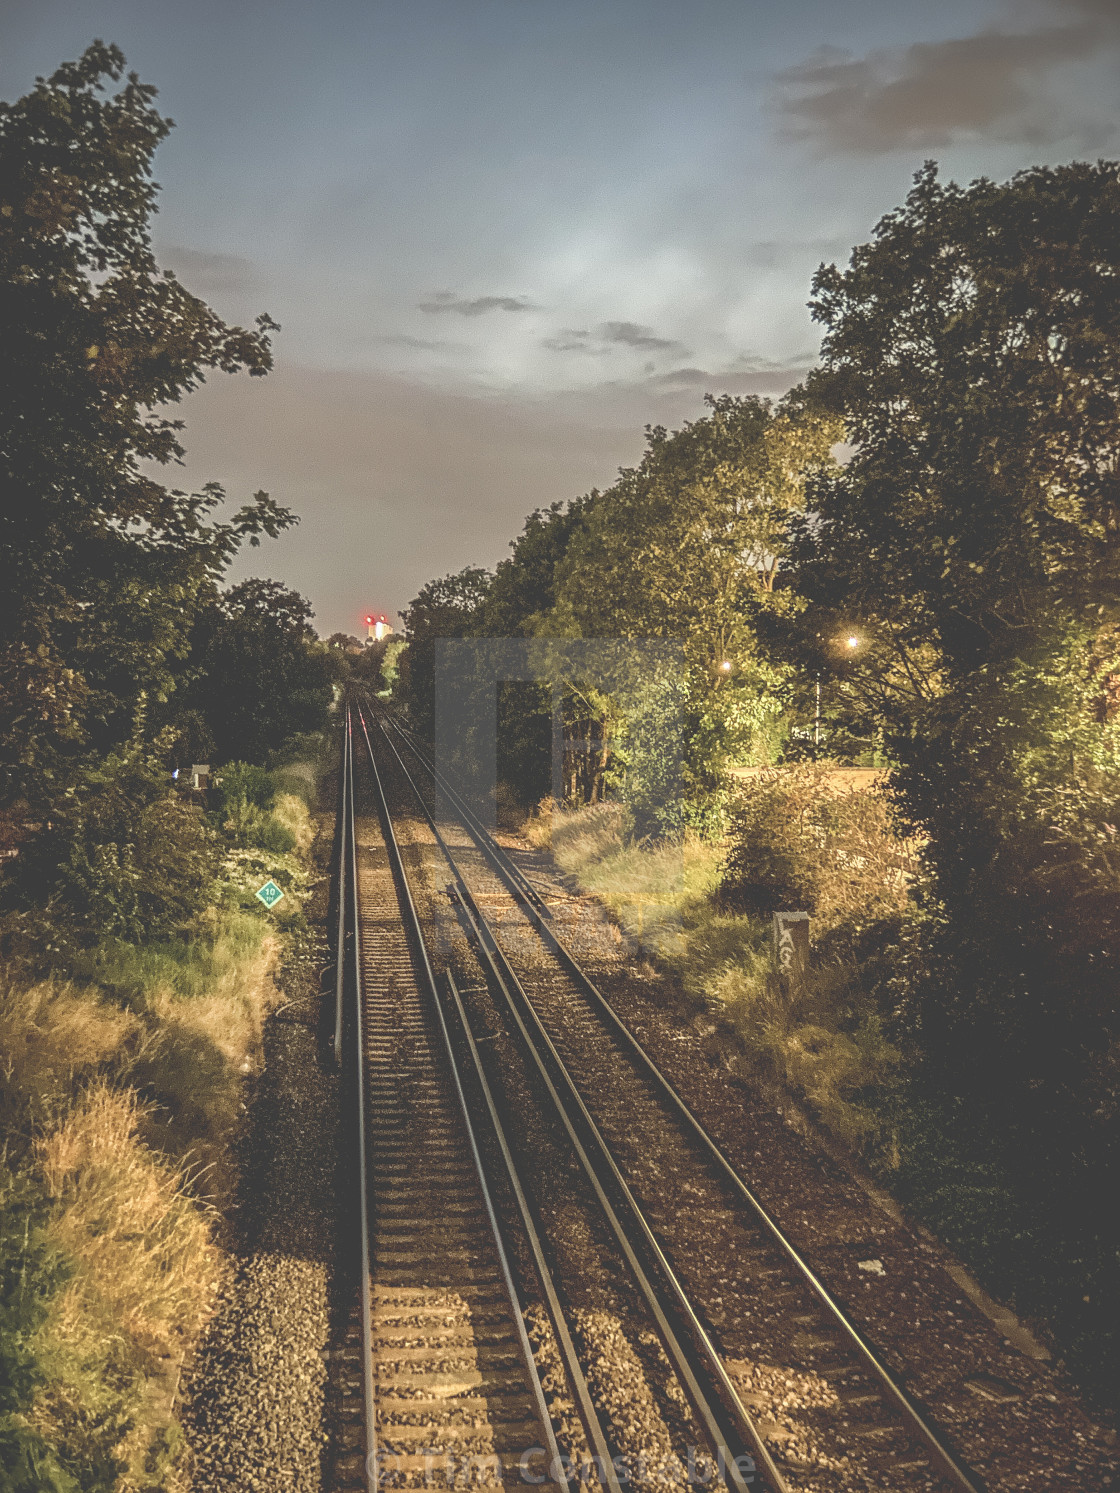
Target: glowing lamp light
(853, 641)
(725, 667)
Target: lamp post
(851, 642)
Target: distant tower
(377, 628)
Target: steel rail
(913, 1416)
(343, 896)
(579, 1384)
(493, 852)
(588, 1414)
(723, 1417)
(369, 1412)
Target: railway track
(774, 1371)
(436, 1383)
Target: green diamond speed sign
(270, 893)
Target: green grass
(188, 968)
(820, 1041)
(653, 891)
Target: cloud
(447, 301)
(932, 94)
(208, 273)
(608, 335)
(571, 340)
(774, 378)
(756, 363)
(402, 339)
(677, 377)
(630, 334)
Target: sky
(503, 236)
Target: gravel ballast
(253, 1408)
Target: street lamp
(851, 642)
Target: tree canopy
(99, 562)
(120, 655)
(257, 673)
(973, 348)
(687, 546)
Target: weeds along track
(767, 1360)
(434, 1382)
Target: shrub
(240, 784)
(255, 813)
(123, 855)
(270, 834)
(796, 839)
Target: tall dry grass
(648, 887)
(291, 811)
(204, 1009)
(52, 1035)
(119, 1095)
(144, 1270)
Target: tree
(99, 564)
(520, 604)
(688, 545)
(520, 599)
(444, 608)
(974, 349)
(258, 673)
(975, 534)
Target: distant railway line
(562, 1274)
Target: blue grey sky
(502, 236)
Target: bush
(271, 834)
(238, 785)
(265, 810)
(797, 840)
(123, 854)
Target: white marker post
(791, 944)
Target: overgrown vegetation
(123, 1086)
(941, 602)
(136, 965)
(702, 911)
